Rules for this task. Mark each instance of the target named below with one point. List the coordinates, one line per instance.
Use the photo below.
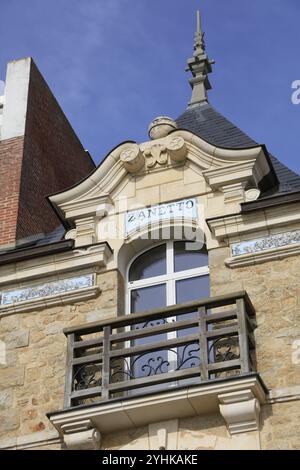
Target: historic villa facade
(152, 302)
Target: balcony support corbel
(81, 435)
(240, 411)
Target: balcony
(176, 361)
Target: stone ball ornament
(132, 158)
(161, 127)
(252, 194)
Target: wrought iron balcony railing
(161, 349)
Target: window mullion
(170, 258)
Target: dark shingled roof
(37, 240)
(204, 121)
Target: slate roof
(204, 121)
(38, 240)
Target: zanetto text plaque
(184, 209)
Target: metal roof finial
(200, 66)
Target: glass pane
(187, 258)
(192, 288)
(148, 298)
(149, 264)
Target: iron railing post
(243, 336)
(69, 370)
(105, 363)
(203, 343)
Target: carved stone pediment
(170, 150)
(225, 171)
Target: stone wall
(274, 289)
(281, 426)
(32, 380)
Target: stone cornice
(234, 226)
(31, 441)
(246, 172)
(86, 207)
(50, 301)
(95, 256)
(263, 256)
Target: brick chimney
(40, 154)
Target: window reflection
(187, 258)
(148, 298)
(187, 290)
(193, 288)
(149, 264)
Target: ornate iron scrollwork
(126, 367)
(151, 323)
(134, 368)
(222, 349)
(187, 355)
(86, 377)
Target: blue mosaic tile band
(47, 289)
(267, 243)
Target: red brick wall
(53, 159)
(11, 152)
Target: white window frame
(169, 278)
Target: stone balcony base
(238, 400)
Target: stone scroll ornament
(177, 149)
(156, 154)
(132, 158)
(153, 155)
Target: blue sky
(114, 65)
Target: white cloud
(2, 86)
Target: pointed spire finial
(198, 22)
(200, 66)
(199, 36)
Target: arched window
(170, 273)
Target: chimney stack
(40, 154)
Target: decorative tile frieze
(47, 289)
(266, 243)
